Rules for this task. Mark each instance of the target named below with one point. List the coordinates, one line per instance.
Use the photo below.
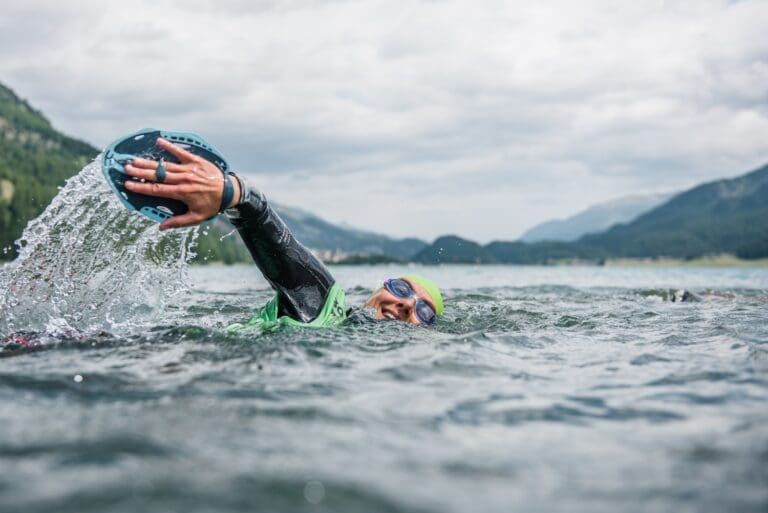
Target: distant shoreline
(714, 261)
(710, 261)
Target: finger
(151, 175)
(180, 153)
(188, 219)
(152, 164)
(153, 189)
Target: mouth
(389, 315)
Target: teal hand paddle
(142, 144)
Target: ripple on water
(513, 410)
(647, 359)
(102, 451)
(692, 377)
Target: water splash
(86, 263)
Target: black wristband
(243, 190)
(228, 194)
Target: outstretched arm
(301, 281)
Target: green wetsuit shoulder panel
(266, 319)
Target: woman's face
(389, 306)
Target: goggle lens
(400, 288)
(424, 312)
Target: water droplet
(314, 492)
(78, 378)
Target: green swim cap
(431, 289)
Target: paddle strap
(229, 191)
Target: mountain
(595, 219)
(452, 249)
(319, 234)
(332, 242)
(35, 159)
(724, 216)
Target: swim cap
(431, 289)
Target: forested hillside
(35, 159)
(725, 216)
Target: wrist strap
(243, 190)
(228, 194)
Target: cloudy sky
(415, 118)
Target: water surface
(542, 389)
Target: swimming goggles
(403, 290)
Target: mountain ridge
(594, 219)
(724, 215)
(720, 216)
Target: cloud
(477, 118)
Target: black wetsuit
(301, 281)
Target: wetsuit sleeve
(301, 281)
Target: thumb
(188, 219)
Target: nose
(405, 307)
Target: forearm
(301, 281)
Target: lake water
(542, 389)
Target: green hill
(725, 216)
(35, 159)
(451, 249)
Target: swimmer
(306, 292)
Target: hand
(194, 181)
